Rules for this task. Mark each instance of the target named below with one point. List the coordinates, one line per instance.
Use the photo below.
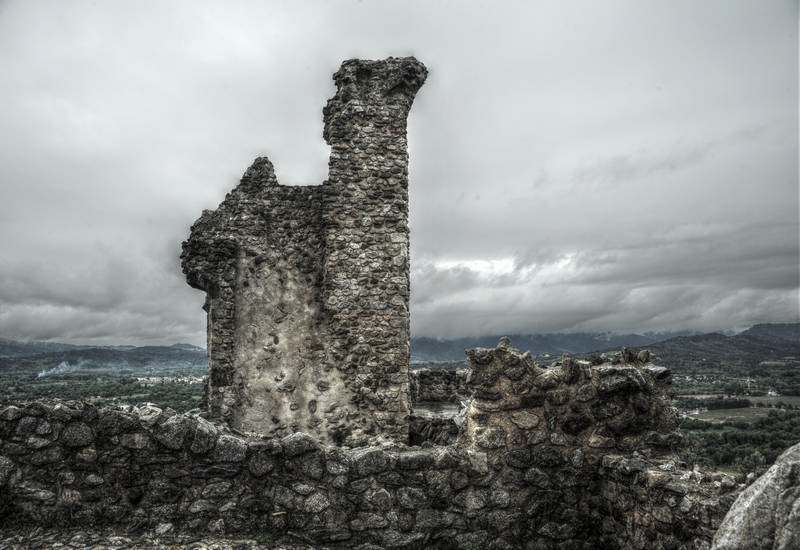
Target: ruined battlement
(307, 288)
(571, 456)
(518, 408)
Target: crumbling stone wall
(438, 385)
(308, 287)
(597, 439)
(624, 404)
(259, 259)
(366, 292)
(528, 471)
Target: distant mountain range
(14, 348)
(758, 343)
(765, 341)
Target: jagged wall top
(371, 90)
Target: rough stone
(6, 468)
(519, 458)
(149, 414)
(77, 434)
(260, 464)
(766, 515)
(316, 503)
(415, 460)
(173, 432)
(308, 286)
(113, 422)
(230, 449)
(525, 420)
(205, 436)
(135, 440)
(371, 460)
(411, 498)
(298, 444)
(11, 413)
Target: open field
(732, 415)
(748, 414)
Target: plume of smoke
(62, 368)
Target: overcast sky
(603, 166)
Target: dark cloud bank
(622, 166)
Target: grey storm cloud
(615, 166)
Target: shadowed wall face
(308, 287)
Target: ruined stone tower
(307, 288)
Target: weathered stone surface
(149, 414)
(519, 458)
(308, 287)
(766, 515)
(390, 493)
(230, 448)
(135, 440)
(6, 467)
(113, 422)
(439, 385)
(415, 460)
(411, 498)
(299, 444)
(77, 434)
(11, 413)
(173, 432)
(48, 455)
(316, 503)
(31, 491)
(260, 463)
(371, 460)
(617, 379)
(205, 436)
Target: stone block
(172, 433)
(77, 434)
(298, 444)
(371, 460)
(415, 460)
(205, 436)
(230, 448)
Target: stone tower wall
(308, 287)
(258, 257)
(366, 282)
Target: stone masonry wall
(366, 267)
(258, 257)
(609, 429)
(527, 473)
(438, 385)
(308, 287)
